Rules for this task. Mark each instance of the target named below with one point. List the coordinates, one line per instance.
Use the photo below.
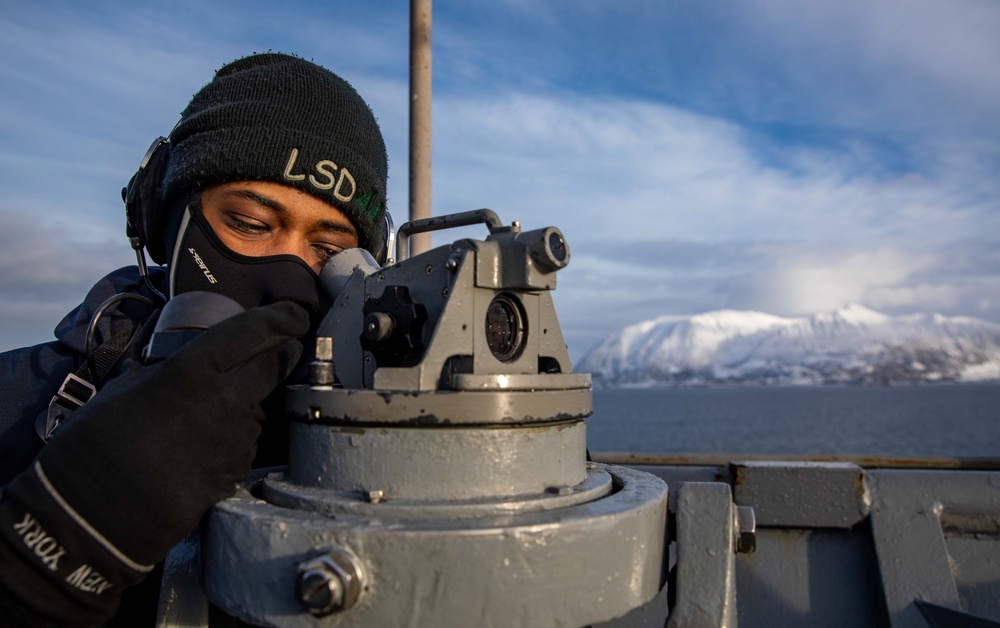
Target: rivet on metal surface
(330, 583)
(452, 263)
(429, 270)
(745, 530)
(375, 496)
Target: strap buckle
(73, 393)
(76, 390)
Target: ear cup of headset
(144, 214)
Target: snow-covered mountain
(851, 345)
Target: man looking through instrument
(274, 166)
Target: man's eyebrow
(341, 227)
(280, 209)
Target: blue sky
(773, 155)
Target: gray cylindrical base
(447, 463)
(278, 491)
(572, 566)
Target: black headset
(144, 216)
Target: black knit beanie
(275, 117)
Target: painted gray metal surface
(930, 534)
(438, 408)
(443, 463)
(182, 601)
(809, 578)
(913, 514)
(569, 567)
(813, 494)
(280, 492)
(456, 285)
(976, 566)
(706, 557)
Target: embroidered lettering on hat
(368, 209)
(328, 177)
(299, 124)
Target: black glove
(133, 471)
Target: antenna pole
(420, 119)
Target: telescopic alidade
(437, 470)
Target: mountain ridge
(851, 345)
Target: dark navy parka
(30, 376)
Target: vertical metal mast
(420, 119)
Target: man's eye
(246, 227)
(324, 252)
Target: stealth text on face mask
(201, 264)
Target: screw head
(320, 590)
(330, 583)
(746, 530)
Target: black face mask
(202, 262)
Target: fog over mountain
(852, 345)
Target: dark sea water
(945, 420)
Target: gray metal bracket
(802, 494)
(910, 513)
(182, 600)
(706, 557)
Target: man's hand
(134, 470)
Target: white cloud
(613, 283)
(810, 281)
(48, 267)
(624, 167)
(666, 210)
(889, 66)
